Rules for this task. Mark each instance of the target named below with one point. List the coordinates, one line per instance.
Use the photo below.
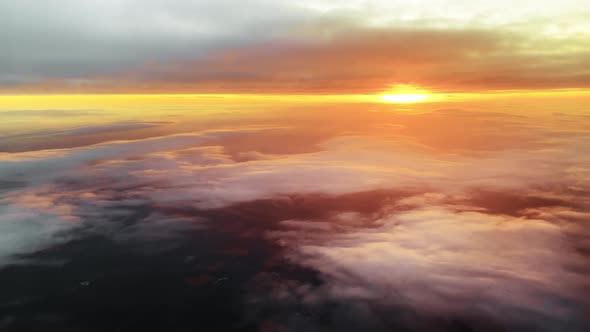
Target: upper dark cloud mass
(78, 40)
(184, 46)
(361, 60)
(381, 225)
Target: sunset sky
(285, 166)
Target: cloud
(393, 214)
(87, 135)
(370, 60)
(45, 41)
(114, 127)
(80, 131)
(285, 47)
(49, 164)
(24, 230)
(448, 263)
(207, 176)
(54, 193)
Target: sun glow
(403, 93)
(404, 98)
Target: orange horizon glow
(405, 94)
(44, 101)
(404, 98)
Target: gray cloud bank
(289, 47)
(77, 39)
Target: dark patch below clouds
(227, 276)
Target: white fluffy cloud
(447, 262)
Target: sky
(292, 47)
(279, 166)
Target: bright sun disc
(404, 98)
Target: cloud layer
(291, 47)
(376, 218)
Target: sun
(404, 93)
